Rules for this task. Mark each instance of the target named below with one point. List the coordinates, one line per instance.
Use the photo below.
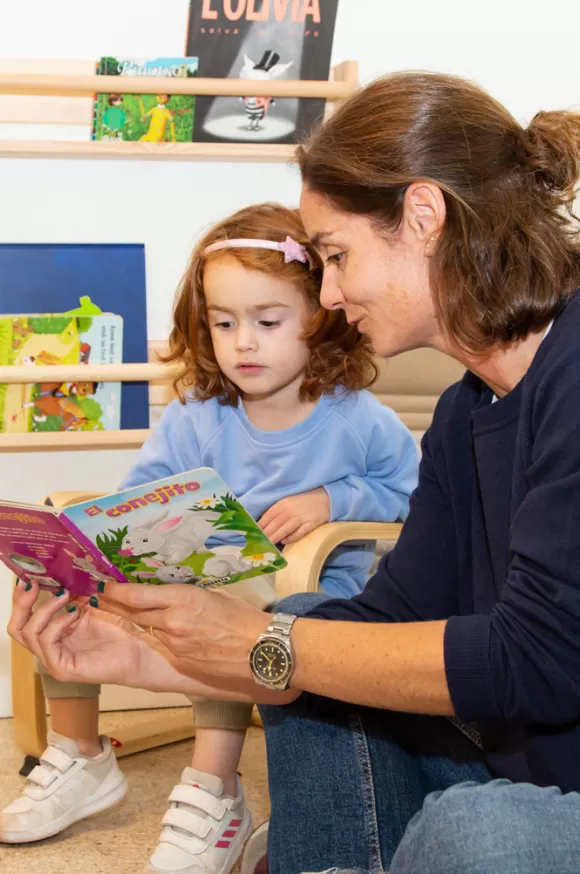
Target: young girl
(274, 402)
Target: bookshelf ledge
(147, 151)
(72, 440)
(60, 92)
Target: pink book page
(36, 545)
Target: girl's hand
(292, 518)
(88, 647)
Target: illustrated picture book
(86, 336)
(260, 40)
(186, 529)
(50, 277)
(148, 118)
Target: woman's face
(381, 284)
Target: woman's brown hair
(508, 255)
(339, 355)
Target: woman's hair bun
(551, 144)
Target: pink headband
(292, 250)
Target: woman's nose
(331, 297)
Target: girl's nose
(245, 339)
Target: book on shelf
(83, 336)
(147, 118)
(187, 529)
(36, 277)
(260, 40)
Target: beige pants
(258, 591)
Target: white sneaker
(255, 858)
(64, 788)
(204, 831)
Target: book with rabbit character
(187, 529)
(260, 41)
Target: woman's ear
(424, 210)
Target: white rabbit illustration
(171, 540)
(167, 573)
(226, 562)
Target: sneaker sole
(113, 796)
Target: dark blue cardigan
(492, 543)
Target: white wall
(524, 52)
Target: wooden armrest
(307, 556)
(67, 499)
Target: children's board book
(149, 118)
(260, 40)
(50, 277)
(82, 336)
(186, 529)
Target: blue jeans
(357, 788)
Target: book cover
(43, 277)
(34, 340)
(187, 529)
(148, 118)
(37, 545)
(260, 40)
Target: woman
(441, 223)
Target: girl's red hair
(339, 355)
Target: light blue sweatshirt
(351, 445)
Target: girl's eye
(266, 324)
(224, 324)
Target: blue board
(51, 277)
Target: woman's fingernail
(101, 587)
(93, 601)
(60, 593)
(28, 587)
(71, 610)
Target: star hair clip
(290, 248)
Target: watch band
(281, 624)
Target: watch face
(270, 662)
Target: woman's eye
(267, 324)
(336, 258)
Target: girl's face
(382, 285)
(256, 323)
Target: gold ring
(151, 631)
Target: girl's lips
(250, 368)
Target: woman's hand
(88, 647)
(294, 517)
(207, 634)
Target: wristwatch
(271, 659)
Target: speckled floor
(119, 841)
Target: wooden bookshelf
(161, 392)
(60, 92)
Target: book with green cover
(149, 118)
(82, 336)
